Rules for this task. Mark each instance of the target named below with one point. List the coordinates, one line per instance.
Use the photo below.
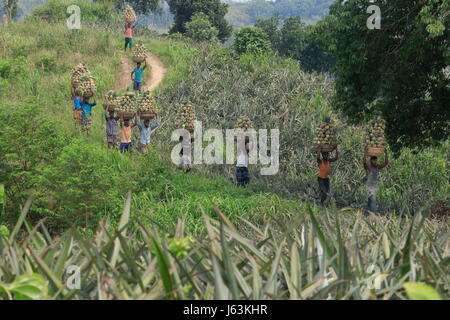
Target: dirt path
(158, 71)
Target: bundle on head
(139, 52)
(87, 86)
(110, 101)
(129, 14)
(244, 123)
(186, 117)
(147, 105)
(325, 139)
(374, 139)
(127, 105)
(77, 72)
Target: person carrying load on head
(86, 114)
(145, 132)
(137, 79)
(323, 178)
(242, 175)
(125, 134)
(129, 35)
(76, 108)
(372, 169)
(111, 126)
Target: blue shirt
(87, 109)
(76, 103)
(146, 132)
(138, 74)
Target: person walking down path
(372, 170)
(129, 35)
(125, 134)
(242, 175)
(111, 128)
(323, 178)
(86, 114)
(76, 109)
(137, 78)
(186, 153)
(146, 132)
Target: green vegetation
(183, 12)
(251, 40)
(201, 29)
(195, 235)
(306, 256)
(397, 70)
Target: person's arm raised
(336, 157)
(386, 160)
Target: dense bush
(251, 40)
(201, 29)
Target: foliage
(421, 291)
(296, 256)
(99, 12)
(10, 8)
(183, 12)
(201, 29)
(251, 40)
(401, 65)
(247, 13)
(25, 287)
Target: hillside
(142, 229)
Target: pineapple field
(141, 229)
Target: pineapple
(129, 14)
(139, 52)
(325, 135)
(244, 123)
(186, 117)
(375, 133)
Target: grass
(195, 235)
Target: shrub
(251, 40)
(201, 29)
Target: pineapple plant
(186, 117)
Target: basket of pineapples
(186, 117)
(147, 106)
(325, 140)
(128, 105)
(375, 140)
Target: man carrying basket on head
(323, 178)
(137, 79)
(129, 35)
(372, 170)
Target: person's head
(111, 114)
(325, 155)
(147, 123)
(86, 99)
(128, 24)
(373, 161)
(126, 122)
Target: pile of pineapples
(87, 86)
(127, 102)
(139, 52)
(129, 14)
(186, 117)
(244, 123)
(147, 103)
(375, 133)
(77, 72)
(325, 135)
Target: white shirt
(242, 159)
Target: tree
(293, 38)
(184, 10)
(10, 8)
(251, 40)
(271, 27)
(201, 29)
(140, 6)
(400, 67)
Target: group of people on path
(372, 169)
(82, 113)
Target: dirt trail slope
(158, 71)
